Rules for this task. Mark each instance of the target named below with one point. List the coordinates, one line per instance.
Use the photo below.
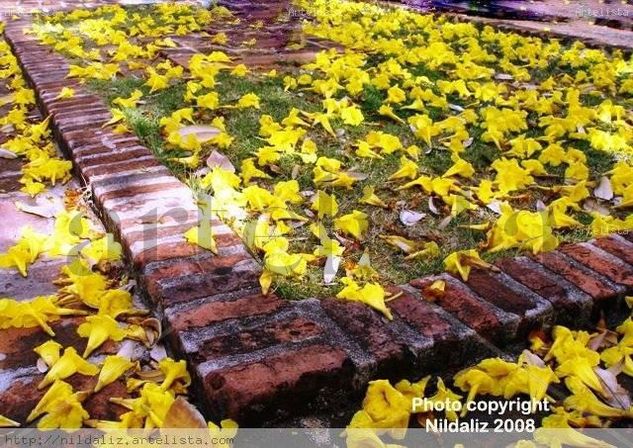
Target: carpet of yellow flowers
(424, 142)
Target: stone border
(262, 359)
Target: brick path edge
(260, 359)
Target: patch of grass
(598, 162)
(118, 87)
(481, 155)
(372, 99)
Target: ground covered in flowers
(420, 144)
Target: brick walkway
(277, 43)
(259, 359)
(595, 22)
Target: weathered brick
(486, 319)
(100, 149)
(129, 154)
(141, 243)
(161, 184)
(117, 182)
(291, 330)
(191, 287)
(506, 294)
(598, 287)
(22, 395)
(108, 140)
(39, 282)
(118, 167)
(72, 123)
(449, 343)
(617, 246)
(372, 333)
(569, 303)
(207, 311)
(17, 344)
(600, 261)
(278, 384)
(121, 176)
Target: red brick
(175, 250)
(493, 290)
(129, 154)
(570, 303)
(206, 262)
(147, 242)
(627, 235)
(284, 382)
(176, 290)
(581, 277)
(22, 396)
(82, 137)
(77, 123)
(86, 114)
(448, 342)
(136, 189)
(129, 179)
(10, 182)
(17, 344)
(118, 145)
(500, 290)
(79, 102)
(118, 167)
(290, 330)
(616, 246)
(371, 332)
(423, 317)
(205, 312)
(611, 267)
(483, 317)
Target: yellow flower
(396, 95)
(8, 423)
(387, 111)
(461, 262)
(113, 367)
(173, 371)
(408, 169)
(324, 204)
(202, 236)
(209, 101)
(49, 352)
(69, 364)
(99, 329)
(129, 102)
(59, 390)
(102, 250)
(248, 100)
(354, 224)
(371, 294)
(352, 115)
(386, 406)
(460, 168)
(583, 400)
(369, 197)
(447, 396)
(65, 93)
